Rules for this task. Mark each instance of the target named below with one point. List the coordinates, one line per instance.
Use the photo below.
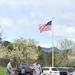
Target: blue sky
(21, 18)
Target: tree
(24, 50)
(41, 56)
(66, 44)
(3, 52)
(71, 57)
(6, 43)
(1, 36)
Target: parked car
(50, 71)
(28, 70)
(71, 73)
(71, 70)
(65, 70)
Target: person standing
(23, 71)
(9, 67)
(37, 68)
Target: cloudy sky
(21, 18)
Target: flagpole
(52, 45)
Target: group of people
(36, 71)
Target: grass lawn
(2, 71)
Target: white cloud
(68, 16)
(38, 15)
(8, 2)
(64, 30)
(38, 3)
(16, 2)
(45, 45)
(69, 30)
(6, 22)
(74, 39)
(23, 21)
(27, 14)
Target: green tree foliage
(71, 57)
(3, 52)
(6, 43)
(27, 50)
(41, 56)
(10, 47)
(66, 44)
(24, 50)
(48, 60)
(1, 34)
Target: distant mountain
(1, 43)
(50, 49)
(5, 43)
(46, 49)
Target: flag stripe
(45, 27)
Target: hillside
(50, 49)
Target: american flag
(45, 27)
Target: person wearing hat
(9, 67)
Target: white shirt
(37, 69)
(9, 67)
(23, 71)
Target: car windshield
(45, 68)
(63, 69)
(71, 69)
(54, 69)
